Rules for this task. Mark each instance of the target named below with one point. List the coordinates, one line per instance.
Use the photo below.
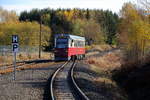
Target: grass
(102, 47)
(6, 60)
(109, 61)
(104, 65)
(27, 66)
(132, 76)
(21, 56)
(106, 81)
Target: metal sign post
(14, 77)
(15, 46)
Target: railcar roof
(74, 37)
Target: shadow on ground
(135, 81)
(38, 61)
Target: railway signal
(15, 48)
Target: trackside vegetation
(124, 39)
(98, 26)
(28, 33)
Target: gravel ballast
(30, 84)
(93, 88)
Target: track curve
(52, 81)
(79, 92)
(63, 85)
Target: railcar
(69, 47)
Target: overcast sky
(21, 5)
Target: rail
(52, 80)
(77, 91)
(76, 87)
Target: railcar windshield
(61, 43)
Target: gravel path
(29, 85)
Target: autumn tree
(77, 21)
(7, 16)
(28, 33)
(133, 31)
(90, 30)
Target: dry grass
(27, 66)
(106, 81)
(109, 61)
(103, 66)
(129, 74)
(30, 56)
(101, 47)
(4, 60)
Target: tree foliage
(90, 29)
(77, 21)
(134, 31)
(28, 33)
(7, 16)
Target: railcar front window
(61, 43)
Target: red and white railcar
(69, 47)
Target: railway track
(22, 63)
(63, 85)
(11, 67)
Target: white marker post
(15, 46)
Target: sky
(21, 5)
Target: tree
(72, 21)
(87, 14)
(89, 29)
(109, 23)
(46, 19)
(35, 15)
(133, 31)
(24, 16)
(28, 33)
(6, 16)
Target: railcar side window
(77, 43)
(80, 43)
(72, 43)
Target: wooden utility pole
(40, 36)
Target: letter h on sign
(15, 39)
